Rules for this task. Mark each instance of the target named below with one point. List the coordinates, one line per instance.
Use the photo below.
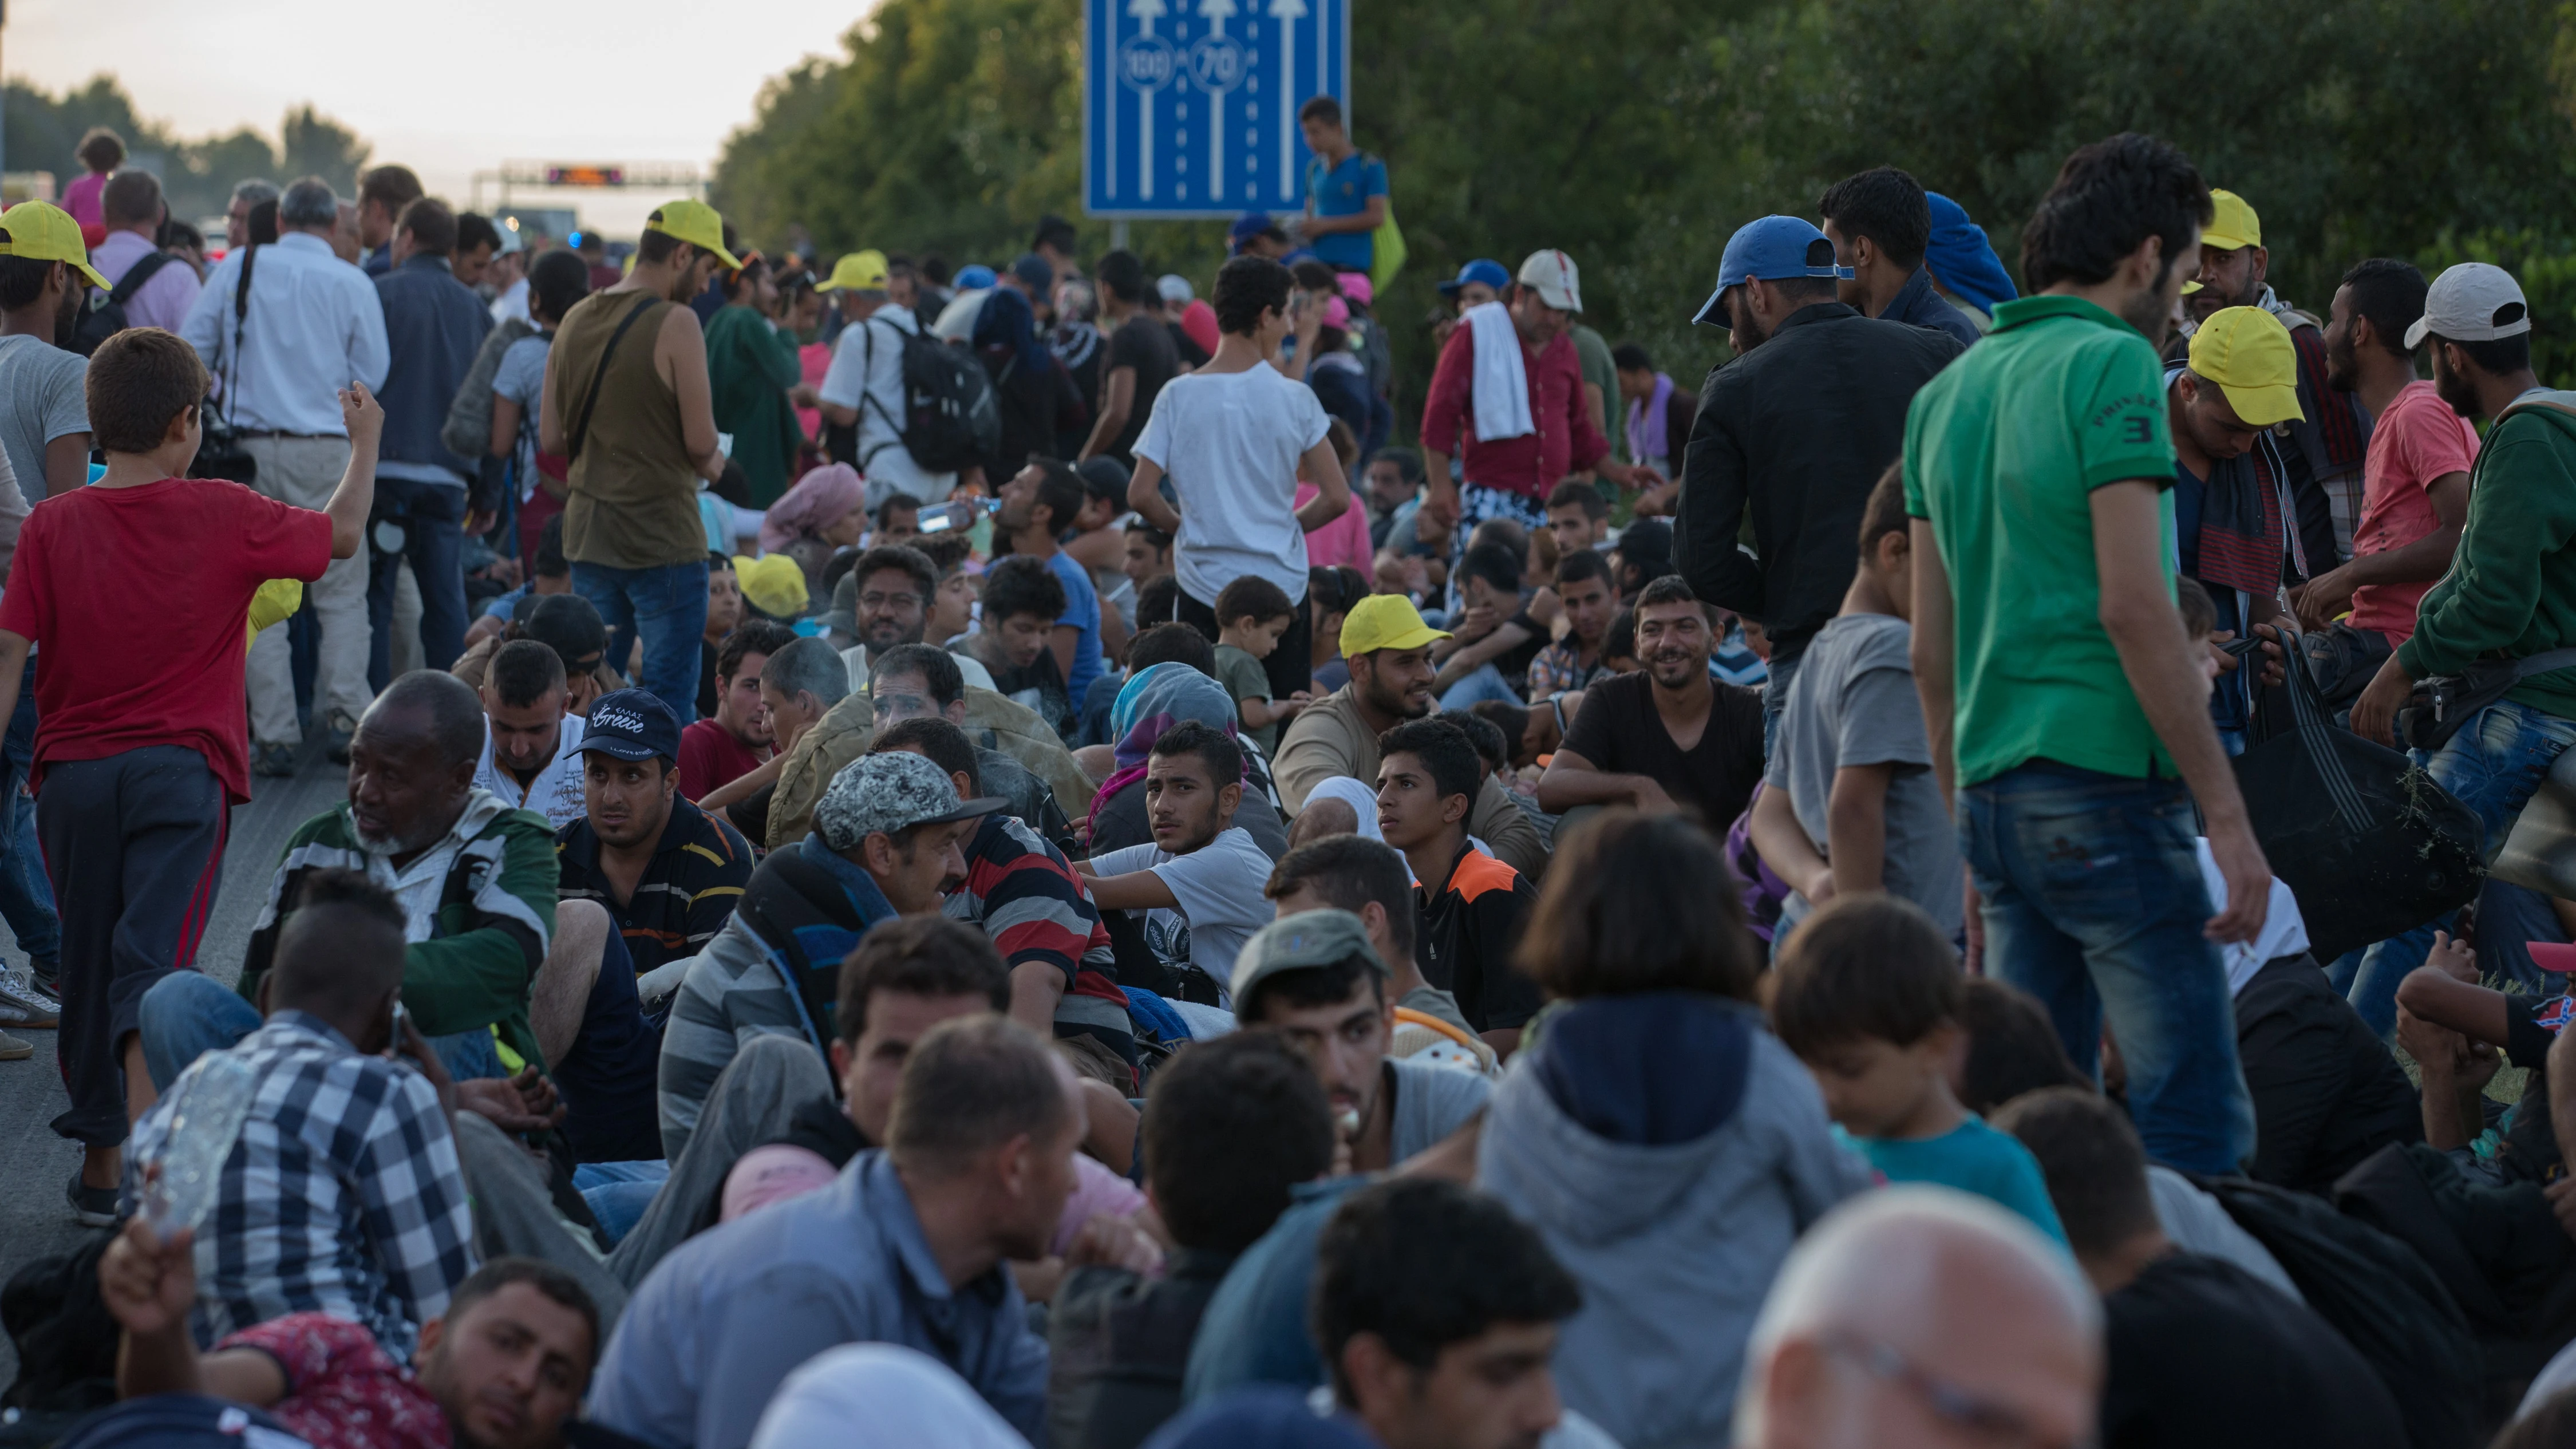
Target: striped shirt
(342, 1196)
(687, 892)
(1033, 905)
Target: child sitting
(1867, 995)
(1251, 615)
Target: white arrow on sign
(1216, 13)
(1288, 13)
(1144, 13)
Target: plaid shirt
(343, 1196)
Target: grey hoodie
(1675, 1245)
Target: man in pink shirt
(1509, 475)
(132, 207)
(2415, 481)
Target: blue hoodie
(1670, 1151)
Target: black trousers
(134, 844)
(1291, 666)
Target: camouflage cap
(891, 793)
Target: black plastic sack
(2366, 841)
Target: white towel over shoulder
(1500, 385)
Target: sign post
(1190, 106)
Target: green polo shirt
(2003, 449)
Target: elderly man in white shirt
(307, 326)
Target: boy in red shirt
(138, 590)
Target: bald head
(433, 708)
(411, 767)
(1911, 1287)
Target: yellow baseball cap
(2248, 353)
(863, 271)
(773, 583)
(1385, 621)
(696, 223)
(43, 232)
(2234, 226)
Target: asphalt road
(34, 1220)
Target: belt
(274, 433)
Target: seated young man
(1569, 665)
(979, 1150)
(344, 1195)
(1022, 601)
(736, 739)
(503, 1367)
(1667, 737)
(1313, 978)
(531, 744)
(1471, 904)
(2201, 1353)
(885, 844)
(565, 623)
(1023, 893)
(799, 684)
(917, 681)
(1200, 882)
(2459, 1032)
(1371, 881)
(667, 873)
(1232, 1127)
(1495, 639)
(1436, 1309)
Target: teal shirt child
(1973, 1158)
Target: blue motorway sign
(1190, 106)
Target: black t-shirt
(1618, 730)
(707, 699)
(1514, 662)
(2327, 1093)
(1184, 346)
(1464, 938)
(1143, 343)
(750, 814)
(2204, 1355)
(2530, 1142)
(1039, 686)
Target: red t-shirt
(342, 1390)
(710, 756)
(138, 600)
(2417, 440)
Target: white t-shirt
(1219, 888)
(867, 364)
(1230, 442)
(556, 794)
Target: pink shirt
(81, 199)
(2416, 441)
(1345, 540)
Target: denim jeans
(667, 608)
(2094, 904)
(432, 518)
(2494, 765)
(26, 897)
(187, 1014)
(1485, 682)
(619, 1192)
(1775, 697)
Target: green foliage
(196, 176)
(1636, 137)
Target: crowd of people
(979, 857)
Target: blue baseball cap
(631, 724)
(974, 277)
(1774, 249)
(1483, 270)
(1253, 224)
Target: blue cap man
(1774, 249)
(1257, 234)
(632, 725)
(1481, 280)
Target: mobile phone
(402, 1018)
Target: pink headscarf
(818, 498)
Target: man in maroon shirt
(737, 738)
(1509, 474)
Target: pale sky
(447, 89)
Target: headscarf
(1007, 324)
(818, 498)
(879, 1396)
(1152, 702)
(1960, 258)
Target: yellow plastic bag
(276, 602)
(1386, 251)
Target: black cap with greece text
(631, 724)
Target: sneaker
(273, 760)
(15, 1049)
(343, 730)
(22, 1005)
(92, 1207)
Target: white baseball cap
(1552, 273)
(2471, 302)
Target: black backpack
(2376, 1292)
(65, 1337)
(104, 316)
(2369, 845)
(949, 420)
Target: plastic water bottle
(212, 1099)
(955, 514)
